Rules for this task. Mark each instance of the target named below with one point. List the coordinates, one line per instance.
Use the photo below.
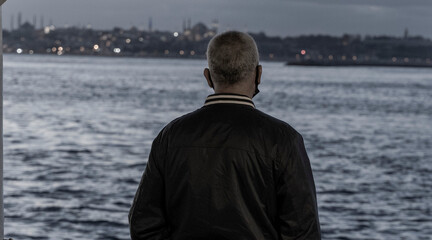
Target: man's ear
(258, 74)
(208, 77)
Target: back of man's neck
(234, 91)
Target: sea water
(78, 130)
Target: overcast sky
(274, 17)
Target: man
(227, 170)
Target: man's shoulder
(249, 117)
(275, 124)
(173, 124)
(181, 120)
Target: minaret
(34, 21)
(12, 22)
(215, 25)
(189, 24)
(42, 22)
(19, 20)
(184, 25)
(150, 26)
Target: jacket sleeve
(147, 216)
(296, 195)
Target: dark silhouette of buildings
(193, 40)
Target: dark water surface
(78, 130)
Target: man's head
(233, 63)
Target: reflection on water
(78, 132)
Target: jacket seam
(242, 149)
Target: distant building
(42, 25)
(215, 26)
(12, 23)
(184, 25)
(34, 21)
(19, 19)
(150, 25)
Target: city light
(394, 59)
(181, 52)
(176, 34)
(60, 50)
(128, 40)
(330, 57)
(192, 52)
(116, 50)
(303, 52)
(354, 58)
(96, 47)
(166, 52)
(54, 49)
(31, 52)
(19, 50)
(343, 58)
(82, 49)
(406, 60)
(47, 30)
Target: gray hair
(232, 56)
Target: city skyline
(281, 18)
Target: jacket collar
(230, 98)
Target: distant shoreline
(305, 63)
(199, 57)
(315, 63)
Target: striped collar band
(229, 98)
